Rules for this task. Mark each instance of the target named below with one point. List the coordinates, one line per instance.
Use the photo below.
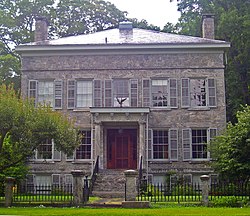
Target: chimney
(208, 26)
(41, 31)
(125, 26)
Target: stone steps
(109, 184)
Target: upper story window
(195, 143)
(79, 93)
(160, 93)
(84, 93)
(46, 92)
(198, 92)
(163, 144)
(121, 93)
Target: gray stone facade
(178, 61)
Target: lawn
(126, 212)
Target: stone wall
(171, 65)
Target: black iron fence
(43, 194)
(192, 193)
(169, 193)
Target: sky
(156, 12)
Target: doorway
(121, 148)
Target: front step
(109, 184)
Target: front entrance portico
(120, 136)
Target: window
(160, 93)
(84, 150)
(195, 143)
(44, 150)
(47, 151)
(164, 144)
(121, 93)
(198, 92)
(84, 93)
(46, 92)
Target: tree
(232, 22)
(80, 17)
(143, 24)
(24, 127)
(231, 150)
(66, 17)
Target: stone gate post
(9, 184)
(131, 184)
(205, 189)
(77, 187)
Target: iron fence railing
(169, 193)
(43, 194)
(187, 192)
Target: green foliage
(23, 128)
(231, 150)
(230, 201)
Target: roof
(136, 37)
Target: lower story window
(199, 143)
(160, 144)
(84, 150)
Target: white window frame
(57, 92)
(210, 91)
(187, 143)
(91, 146)
(54, 157)
(172, 144)
(172, 93)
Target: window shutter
(56, 179)
(146, 92)
(186, 144)
(32, 92)
(108, 93)
(71, 94)
(212, 132)
(56, 153)
(149, 144)
(211, 90)
(173, 93)
(185, 92)
(97, 93)
(173, 144)
(58, 90)
(134, 92)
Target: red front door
(122, 149)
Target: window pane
(46, 92)
(199, 143)
(84, 150)
(160, 144)
(198, 92)
(84, 93)
(160, 93)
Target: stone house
(140, 97)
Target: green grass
(173, 211)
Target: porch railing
(94, 175)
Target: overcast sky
(156, 12)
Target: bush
(229, 202)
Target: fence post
(9, 184)
(131, 185)
(77, 187)
(205, 189)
